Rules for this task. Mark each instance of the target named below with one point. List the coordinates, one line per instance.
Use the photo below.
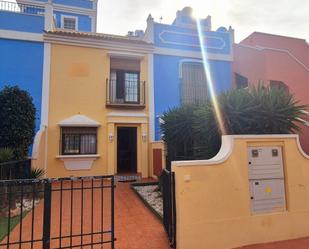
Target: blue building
(178, 70)
(24, 54)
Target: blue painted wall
(175, 37)
(182, 36)
(76, 3)
(167, 83)
(21, 64)
(84, 22)
(21, 22)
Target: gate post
(46, 215)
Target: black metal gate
(169, 205)
(57, 213)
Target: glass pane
(71, 144)
(131, 87)
(69, 23)
(88, 144)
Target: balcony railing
(21, 8)
(126, 94)
(15, 170)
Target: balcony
(21, 8)
(125, 94)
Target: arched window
(193, 82)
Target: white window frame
(72, 17)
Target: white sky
(283, 17)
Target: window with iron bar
(78, 140)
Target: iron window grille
(69, 23)
(126, 84)
(78, 140)
(194, 88)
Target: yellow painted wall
(78, 86)
(213, 200)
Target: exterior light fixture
(110, 137)
(144, 137)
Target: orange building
(276, 61)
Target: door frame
(138, 145)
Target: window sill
(77, 156)
(78, 162)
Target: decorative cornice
(124, 45)
(189, 44)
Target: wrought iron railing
(59, 213)
(167, 182)
(126, 93)
(21, 8)
(15, 170)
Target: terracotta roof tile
(100, 36)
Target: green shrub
(6, 155)
(36, 173)
(17, 120)
(192, 132)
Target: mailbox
(266, 179)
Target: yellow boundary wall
(213, 199)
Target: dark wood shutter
(120, 85)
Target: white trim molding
(19, 35)
(227, 146)
(36, 144)
(127, 114)
(69, 17)
(78, 162)
(151, 100)
(79, 121)
(187, 60)
(188, 44)
(192, 54)
(45, 87)
(126, 55)
(123, 46)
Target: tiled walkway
(136, 226)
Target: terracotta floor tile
(135, 226)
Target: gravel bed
(151, 196)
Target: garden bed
(149, 193)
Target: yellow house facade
(96, 106)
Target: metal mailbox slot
(266, 179)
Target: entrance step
(128, 177)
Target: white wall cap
(79, 121)
(228, 145)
